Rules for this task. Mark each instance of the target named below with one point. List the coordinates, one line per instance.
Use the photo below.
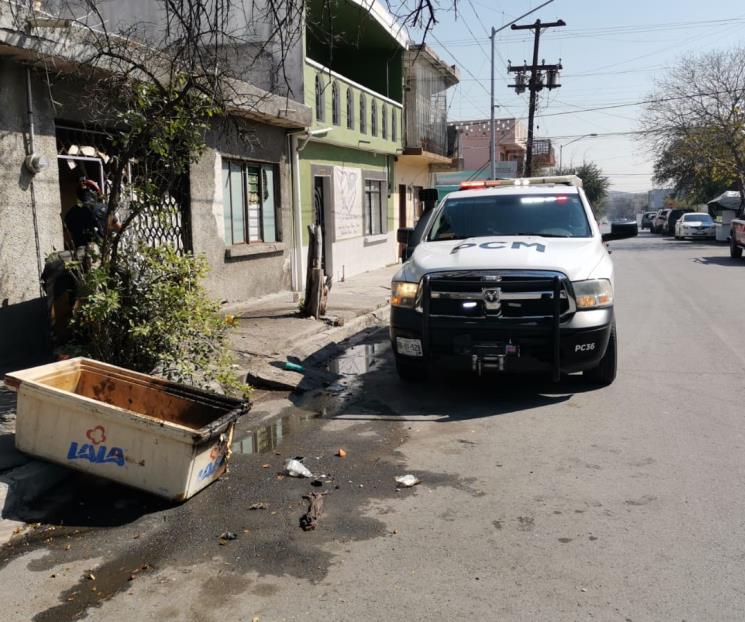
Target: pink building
(470, 142)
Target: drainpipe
(31, 151)
(297, 222)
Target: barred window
(335, 105)
(320, 103)
(249, 199)
(363, 114)
(350, 109)
(373, 207)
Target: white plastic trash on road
(407, 481)
(295, 468)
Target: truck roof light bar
(566, 180)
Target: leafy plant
(153, 315)
(595, 184)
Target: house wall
(349, 148)
(411, 171)
(22, 311)
(356, 254)
(241, 271)
(472, 138)
(256, 55)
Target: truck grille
(503, 294)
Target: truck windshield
(547, 215)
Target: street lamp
(561, 147)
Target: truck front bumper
(512, 346)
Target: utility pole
(536, 81)
(493, 137)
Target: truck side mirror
(404, 235)
(621, 231)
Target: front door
(320, 206)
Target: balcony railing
(359, 117)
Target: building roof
(380, 14)
(422, 52)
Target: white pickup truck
(508, 275)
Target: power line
(603, 134)
(466, 69)
(600, 73)
(473, 36)
(684, 42)
(577, 33)
(638, 103)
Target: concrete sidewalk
(22, 478)
(271, 331)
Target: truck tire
(605, 372)
(410, 370)
(735, 250)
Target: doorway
(321, 193)
(418, 204)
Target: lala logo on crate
(94, 451)
(217, 457)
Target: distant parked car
(693, 225)
(672, 217)
(659, 220)
(647, 220)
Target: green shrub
(152, 314)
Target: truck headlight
(593, 294)
(404, 294)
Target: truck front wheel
(410, 370)
(605, 372)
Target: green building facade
(353, 83)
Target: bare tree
(698, 113)
(157, 86)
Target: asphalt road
(537, 501)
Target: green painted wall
(329, 155)
(341, 135)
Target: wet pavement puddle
(268, 437)
(323, 403)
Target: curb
(309, 346)
(262, 374)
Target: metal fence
(85, 152)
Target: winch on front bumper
(516, 321)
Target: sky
(612, 52)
